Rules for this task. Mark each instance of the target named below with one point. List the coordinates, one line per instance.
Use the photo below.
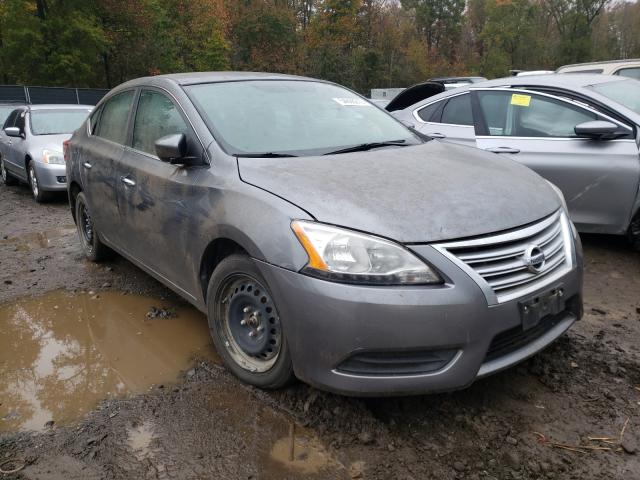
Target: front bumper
(51, 177)
(327, 323)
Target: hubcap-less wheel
(34, 181)
(249, 323)
(86, 228)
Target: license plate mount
(534, 309)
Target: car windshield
(55, 122)
(626, 93)
(294, 117)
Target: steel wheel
(249, 323)
(85, 226)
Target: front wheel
(7, 178)
(38, 194)
(93, 248)
(245, 325)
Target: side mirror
(173, 149)
(13, 132)
(597, 130)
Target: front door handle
(437, 135)
(128, 182)
(503, 150)
(87, 165)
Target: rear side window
(428, 113)
(93, 122)
(156, 117)
(457, 111)
(629, 72)
(113, 121)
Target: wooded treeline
(359, 43)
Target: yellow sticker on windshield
(520, 100)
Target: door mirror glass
(13, 132)
(597, 130)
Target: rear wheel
(38, 194)
(245, 325)
(634, 232)
(7, 178)
(93, 248)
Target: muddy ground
(570, 412)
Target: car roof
(61, 106)
(560, 80)
(602, 62)
(194, 78)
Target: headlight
(345, 256)
(52, 157)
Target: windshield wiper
(368, 146)
(265, 155)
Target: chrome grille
(500, 262)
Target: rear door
(450, 119)
(599, 179)
(157, 199)
(99, 160)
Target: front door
(157, 199)
(599, 178)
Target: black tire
(634, 232)
(39, 195)
(93, 248)
(7, 178)
(232, 300)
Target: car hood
(37, 143)
(426, 193)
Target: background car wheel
(7, 178)
(93, 248)
(634, 232)
(245, 325)
(38, 194)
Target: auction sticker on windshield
(352, 102)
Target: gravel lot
(570, 412)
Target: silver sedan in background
(31, 146)
(578, 131)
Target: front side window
(113, 120)
(11, 119)
(55, 122)
(297, 117)
(457, 111)
(156, 117)
(632, 72)
(5, 111)
(515, 114)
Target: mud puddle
(36, 240)
(60, 354)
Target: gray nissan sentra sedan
(324, 239)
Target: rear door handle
(87, 165)
(128, 182)
(437, 135)
(503, 150)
